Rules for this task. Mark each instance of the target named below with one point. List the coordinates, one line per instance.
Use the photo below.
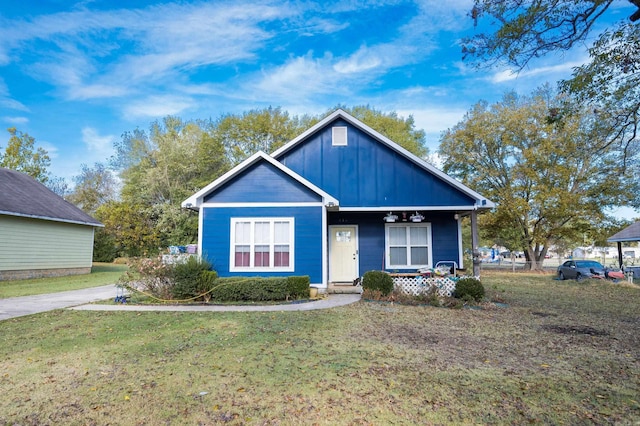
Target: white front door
(343, 253)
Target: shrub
(192, 278)
(298, 287)
(104, 247)
(378, 280)
(256, 289)
(469, 289)
(149, 276)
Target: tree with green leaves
(161, 168)
(609, 83)
(552, 175)
(94, 186)
(257, 130)
(130, 230)
(22, 155)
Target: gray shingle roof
(630, 233)
(21, 195)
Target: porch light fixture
(331, 206)
(390, 217)
(416, 217)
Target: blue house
(337, 201)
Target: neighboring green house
(41, 234)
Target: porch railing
(416, 284)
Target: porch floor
(344, 288)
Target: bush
(298, 287)
(469, 289)
(257, 289)
(149, 276)
(104, 247)
(378, 281)
(192, 278)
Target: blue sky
(76, 75)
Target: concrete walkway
(80, 300)
(26, 305)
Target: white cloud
(7, 102)
(15, 120)
(300, 76)
(95, 142)
(157, 106)
(363, 60)
(82, 51)
(435, 119)
(549, 72)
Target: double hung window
(408, 245)
(262, 244)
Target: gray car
(579, 269)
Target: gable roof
(481, 202)
(630, 233)
(196, 199)
(21, 195)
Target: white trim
(407, 208)
(325, 250)
(339, 136)
(259, 205)
(196, 199)
(460, 251)
(51, 219)
(415, 159)
(200, 229)
(387, 251)
(252, 244)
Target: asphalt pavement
(13, 307)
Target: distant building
(41, 234)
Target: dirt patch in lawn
(574, 329)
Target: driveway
(80, 300)
(26, 305)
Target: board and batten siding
(32, 244)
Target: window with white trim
(408, 245)
(261, 244)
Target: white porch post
(474, 243)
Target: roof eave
(52, 219)
(195, 201)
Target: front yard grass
(558, 353)
(101, 274)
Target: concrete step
(344, 289)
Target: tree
(610, 83)
(401, 131)
(21, 155)
(551, 174)
(130, 228)
(257, 130)
(93, 187)
(158, 171)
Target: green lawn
(556, 353)
(101, 274)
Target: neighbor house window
(261, 244)
(408, 245)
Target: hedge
(258, 289)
